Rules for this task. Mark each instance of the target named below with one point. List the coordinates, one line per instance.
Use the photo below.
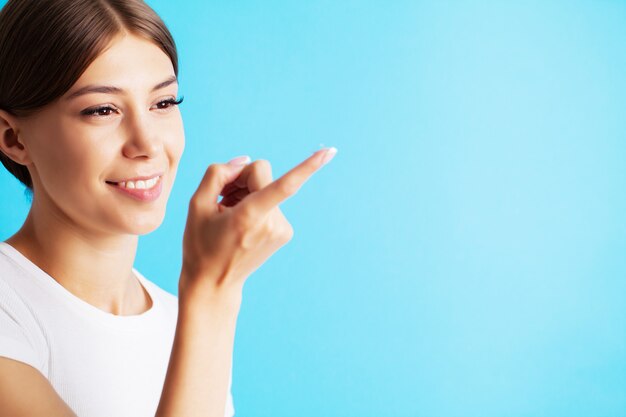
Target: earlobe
(11, 144)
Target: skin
(84, 233)
(80, 230)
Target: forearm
(196, 384)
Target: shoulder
(21, 336)
(8, 266)
(15, 284)
(16, 272)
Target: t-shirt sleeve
(230, 407)
(17, 327)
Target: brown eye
(99, 111)
(168, 103)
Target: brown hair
(46, 45)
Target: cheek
(67, 162)
(175, 141)
(174, 147)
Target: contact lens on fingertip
(330, 154)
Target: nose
(142, 139)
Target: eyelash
(93, 112)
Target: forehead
(130, 63)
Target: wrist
(206, 291)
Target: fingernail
(330, 154)
(240, 160)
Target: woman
(89, 123)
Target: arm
(224, 242)
(197, 377)
(25, 392)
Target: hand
(224, 242)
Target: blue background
(463, 254)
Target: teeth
(140, 184)
(152, 182)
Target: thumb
(216, 177)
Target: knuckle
(262, 168)
(194, 203)
(213, 170)
(288, 232)
(283, 232)
(263, 164)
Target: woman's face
(98, 151)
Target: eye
(102, 111)
(169, 103)
(105, 111)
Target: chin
(147, 226)
(142, 224)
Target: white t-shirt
(102, 365)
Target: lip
(140, 178)
(145, 195)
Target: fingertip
(239, 161)
(329, 155)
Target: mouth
(140, 183)
(146, 189)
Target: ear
(10, 142)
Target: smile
(145, 189)
(143, 183)
(139, 184)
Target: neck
(94, 266)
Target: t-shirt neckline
(44, 280)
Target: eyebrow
(108, 89)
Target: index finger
(264, 200)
